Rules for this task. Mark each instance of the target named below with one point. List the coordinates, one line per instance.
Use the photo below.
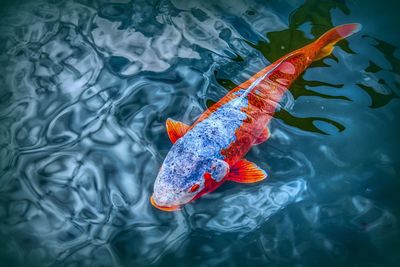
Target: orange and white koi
(211, 150)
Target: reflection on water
(86, 87)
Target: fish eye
(194, 188)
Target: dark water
(86, 87)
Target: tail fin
(330, 38)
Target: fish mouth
(164, 208)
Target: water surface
(86, 88)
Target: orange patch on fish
(287, 68)
(171, 208)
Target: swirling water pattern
(86, 87)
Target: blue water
(85, 90)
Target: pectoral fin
(245, 171)
(176, 129)
(263, 136)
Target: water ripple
(86, 88)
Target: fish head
(182, 177)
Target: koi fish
(211, 150)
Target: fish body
(212, 149)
